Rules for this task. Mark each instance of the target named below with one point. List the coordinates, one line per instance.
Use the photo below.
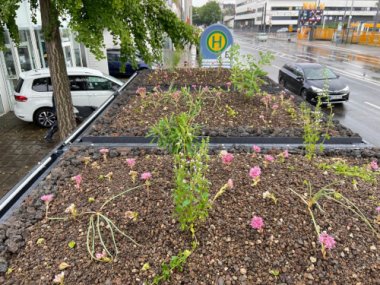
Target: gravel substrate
(129, 115)
(230, 251)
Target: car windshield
(118, 81)
(319, 73)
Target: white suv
(33, 93)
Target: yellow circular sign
(217, 41)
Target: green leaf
(72, 244)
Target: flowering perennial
(327, 241)
(257, 223)
(146, 176)
(47, 198)
(78, 180)
(131, 162)
(255, 173)
(256, 149)
(227, 158)
(268, 158)
(374, 165)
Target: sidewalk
(21, 147)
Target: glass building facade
(30, 54)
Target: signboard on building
(215, 42)
(311, 14)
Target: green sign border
(225, 46)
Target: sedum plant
(342, 168)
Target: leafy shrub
(191, 195)
(246, 72)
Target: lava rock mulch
(229, 251)
(224, 112)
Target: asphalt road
(358, 66)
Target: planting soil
(183, 77)
(230, 251)
(223, 112)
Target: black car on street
(311, 80)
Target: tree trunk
(57, 67)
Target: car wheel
(44, 117)
(304, 95)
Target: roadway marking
(372, 105)
(348, 74)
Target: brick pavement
(21, 147)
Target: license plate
(335, 97)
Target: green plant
(175, 133)
(314, 129)
(191, 195)
(99, 226)
(231, 112)
(275, 272)
(176, 58)
(176, 263)
(342, 168)
(247, 73)
(311, 200)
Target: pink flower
(99, 255)
(146, 176)
(78, 180)
(378, 210)
(327, 240)
(176, 96)
(230, 184)
(268, 158)
(257, 223)
(227, 158)
(275, 107)
(131, 162)
(228, 84)
(256, 149)
(286, 153)
(59, 278)
(374, 165)
(194, 86)
(141, 91)
(255, 172)
(205, 89)
(104, 150)
(47, 198)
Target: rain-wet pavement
(21, 147)
(358, 66)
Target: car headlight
(346, 89)
(316, 89)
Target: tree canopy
(136, 25)
(208, 14)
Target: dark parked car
(114, 64)
(310, 79)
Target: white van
(33, 93)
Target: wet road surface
(358, 66)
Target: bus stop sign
(216, 40)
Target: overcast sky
(198, 3)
